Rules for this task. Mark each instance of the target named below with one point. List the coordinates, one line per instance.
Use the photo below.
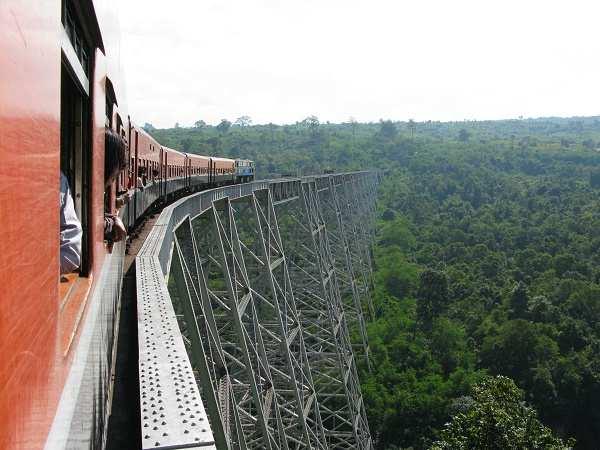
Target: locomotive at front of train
(61, 87)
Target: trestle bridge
(246, 299)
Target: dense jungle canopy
(486, 264)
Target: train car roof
(228, 160)
(172, 150)
(144, 132)
(195, 156)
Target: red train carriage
(146, 160)
(197, 169)
(60, 87)
(174, 163)
(221, 171)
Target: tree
(516, 347)
(589, 144)
(542, 310)
(432, 296)
(148, 127)
(398, 276)
(176, 124)
(243, 121)
(463, 135)
(411, 127)
(186, 144)
(387, 129)
(519, 300)
(311, 122)
(564, 263)
(498, 419)
(224, 126)
(448, 344)
(272, 131)
(353, 126)
(199, 124)
(396, 233)
(595, 178)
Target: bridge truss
(247, 296)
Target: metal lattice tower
(266, 281)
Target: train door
(165, 172)
(135, 171)
(187, 172)
(160, 171)
(131, 172)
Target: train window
(119, 125)
(74, 30)
(108, 107)
(115, 164)
(75, 152)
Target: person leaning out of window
(115, 160)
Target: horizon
(509, 119)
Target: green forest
(487, 275)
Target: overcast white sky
(280, 61)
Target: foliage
(498, 419)
(432, 296)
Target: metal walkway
(246, 295)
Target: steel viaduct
(246, 299)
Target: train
(61, 89)
(153, 162)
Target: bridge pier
(326, 317)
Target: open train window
(75, 151)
